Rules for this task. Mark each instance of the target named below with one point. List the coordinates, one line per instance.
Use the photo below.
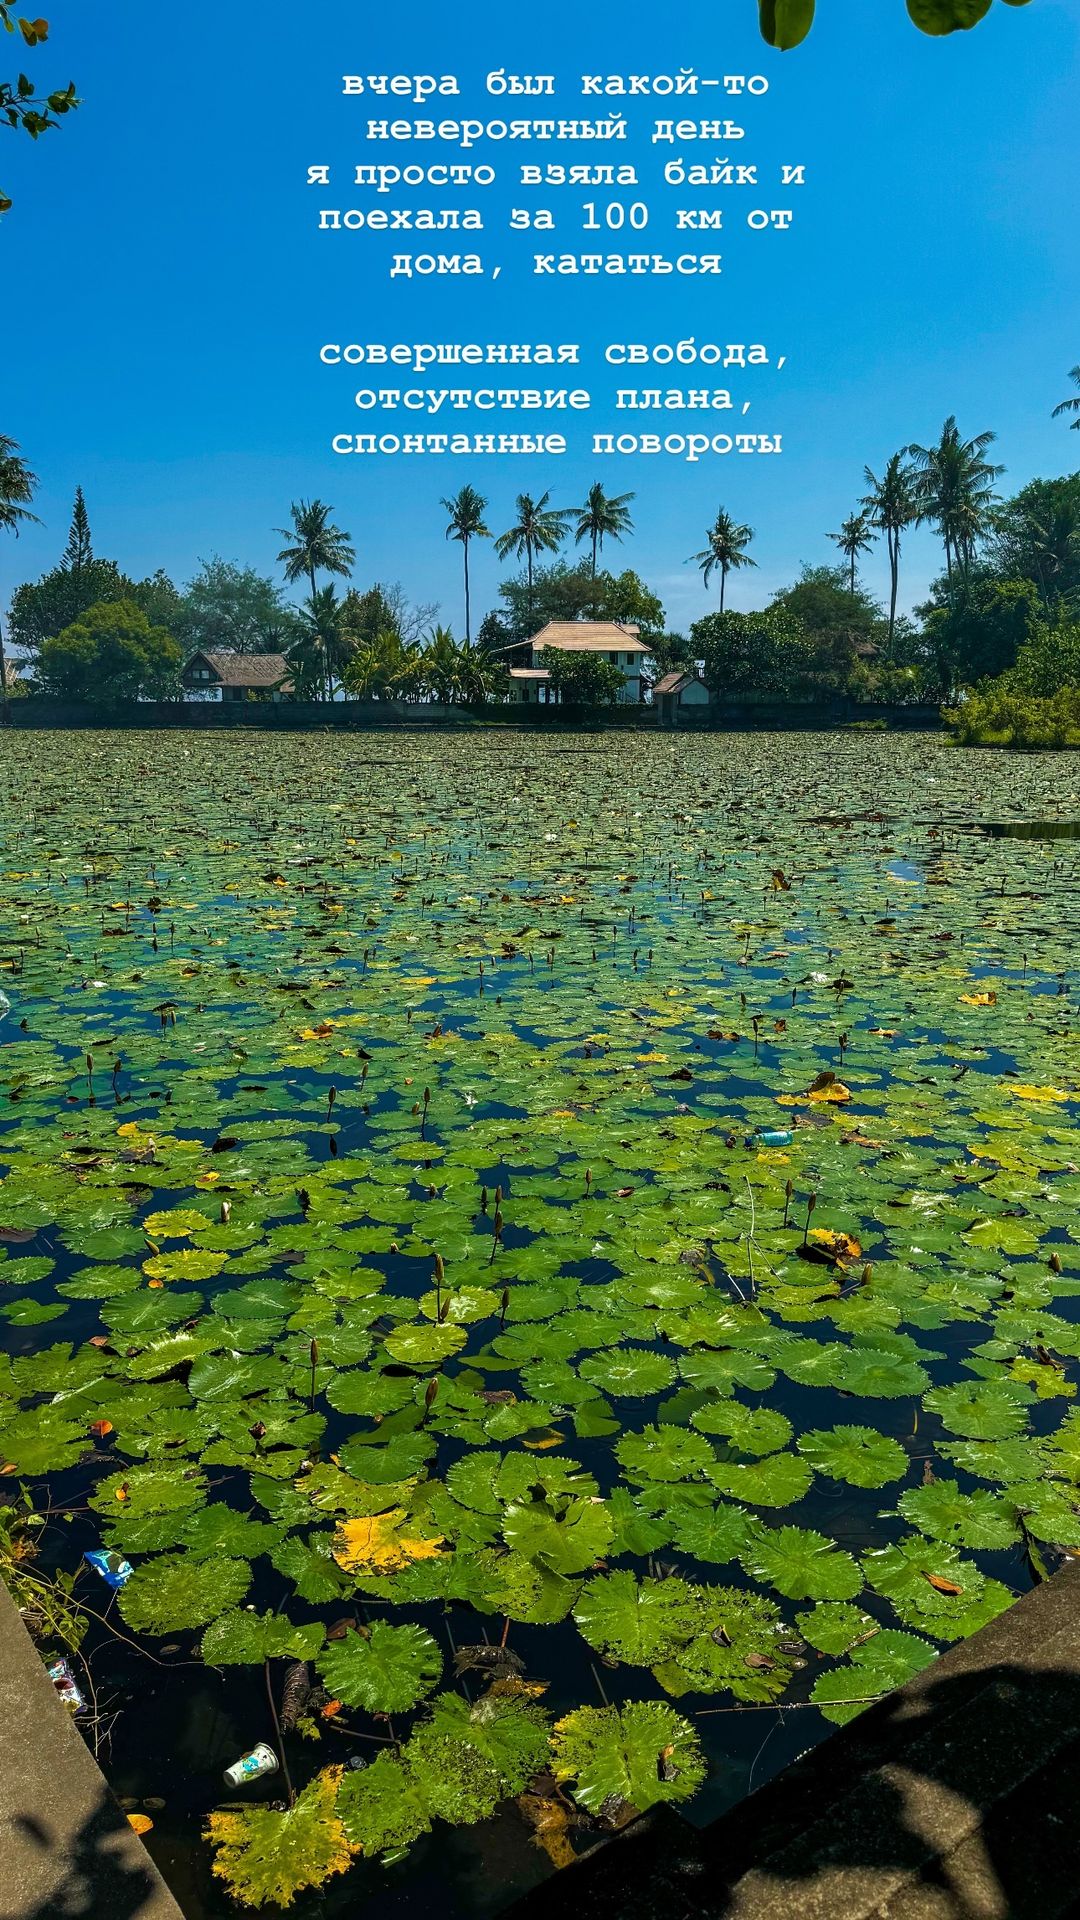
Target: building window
(614, 658)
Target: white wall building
(618, 644)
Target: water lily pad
(384, 1669)
(177, 1591)
(637, 1756)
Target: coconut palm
(726, 550)
(466, 510)
(460, 672)
(1072, 404)
(385, 667)
(325, 638)
(17, 485)
(537, 529)
(955, 491)
(892, 506)
(317, 547)
(602, 517)
(856, 536)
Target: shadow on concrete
(91, 1873)
(955, 1798)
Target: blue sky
(172, 292)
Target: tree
(558, 592)
(42, 608)
(725, 550)
(1036, 536)
(466, 510)
(891, 506)
(975, 627)
(21, 106)
(752, 652)
(78, 554)
(537, 529)
(954, 491)
(322, 651)
(460, 672)
(161, 601)
(1049, 658)
(582, 679)
(317, 547)
(110, 654)
(668, 651)
(625, 598)
(386, 608)
(17, 488)
(834, 621)
(856, 536)
(227, 608)
(1072, 404)
(384, 667)
(786, 23)
(603, 517)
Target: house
(236, 676)
(612, 641)
(678, 693)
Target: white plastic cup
(251, 1766)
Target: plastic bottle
(772, 1137)
(251, 1766)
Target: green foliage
(383, 1668)
(801, 1564)
(266, 1858)
(42, 609)
(995, 716)
(886, 1660)
(565, 1534)
(111, 653)
(582, 679)
(21, 105)
(176, 1591)
(564, 591)
(835, 621)
(47, 1603)
(382, 1807)
(635, 1756)
(786, 23)
(226, 608)
(342, 947)
(244, 1639)
(860, 1455)
(456, 1766)
(764, 652)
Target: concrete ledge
(954, 1798)
(66, 1850)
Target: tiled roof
(589, 636)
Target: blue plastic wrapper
(113, 1568)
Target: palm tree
(17, 485)
(726, 550)
(955, 491)
(318, 547)
(1072, 404)
(603, 518)
(892, 506)
(466, 510)
(856, 536)
(325, 638)
(538, 529)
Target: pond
(553, 1258)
